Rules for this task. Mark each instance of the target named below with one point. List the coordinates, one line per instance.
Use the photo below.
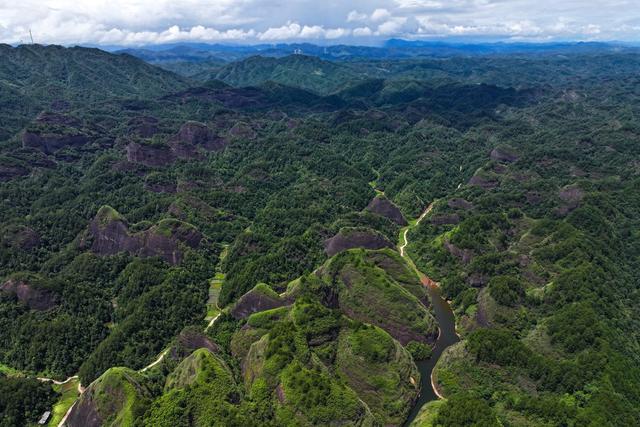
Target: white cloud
(392, 26)
(137, 22)
(336, 33)
(355, 16)
(362, 32)
(380, 14)
(293, 31)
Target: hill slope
(34, 77)
(305, 72)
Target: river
(447, 335)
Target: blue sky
(142, 22)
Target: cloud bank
(144, 22)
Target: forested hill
(35, 78)
(302, 71)
(56, 71)
(210, 253)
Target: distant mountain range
(392, 49)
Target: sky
(367, 22)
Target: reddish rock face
(36, 298)
(161, 187)
(355, 239)
(465, 255)
(26, 239)
(254, 302)
(533, 198)
(460, 204)
(571, 197)
(8, 172)
(190, 341)
(113, 237)
(478, 280)
(501, 155)
(384, 207)
(57, 119)
(85, 413)
(484, 183)
(158, 245)
(194, 133)
(183, 150)
(50, 143)
(242, 130)
(445, 219)
(186, 144)
(150, 155)
(144, 126)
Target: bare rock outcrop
(464, 255)
(355, 238)
(21, 237)
(460, 204)
(533, 197)
(501, 154)
(258, 299)
(199, 135)
(52, 131)
(571, 197)
(477, 280)
(150, 155)
(484, 182)
(161, 187)
(143, 126)
(190, 340)
(31, 294)
(55, 118)
(385, 207)
(108, 234)
(11, 170)
(50, 143)
(190, 142)
(85, 412)
(242, 130)
(448, 219)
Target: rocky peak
(385, 207)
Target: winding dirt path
(405, 241)
(51, 380)
(146, 368)
(154, 363)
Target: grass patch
(428, 413)
(68, 395)
(9, 371)
(215, 286)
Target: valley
(387, 237)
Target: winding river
(446, 322)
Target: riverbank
(447, 334)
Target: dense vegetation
(23, 400)
(120, 207)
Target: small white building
(44, 418)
